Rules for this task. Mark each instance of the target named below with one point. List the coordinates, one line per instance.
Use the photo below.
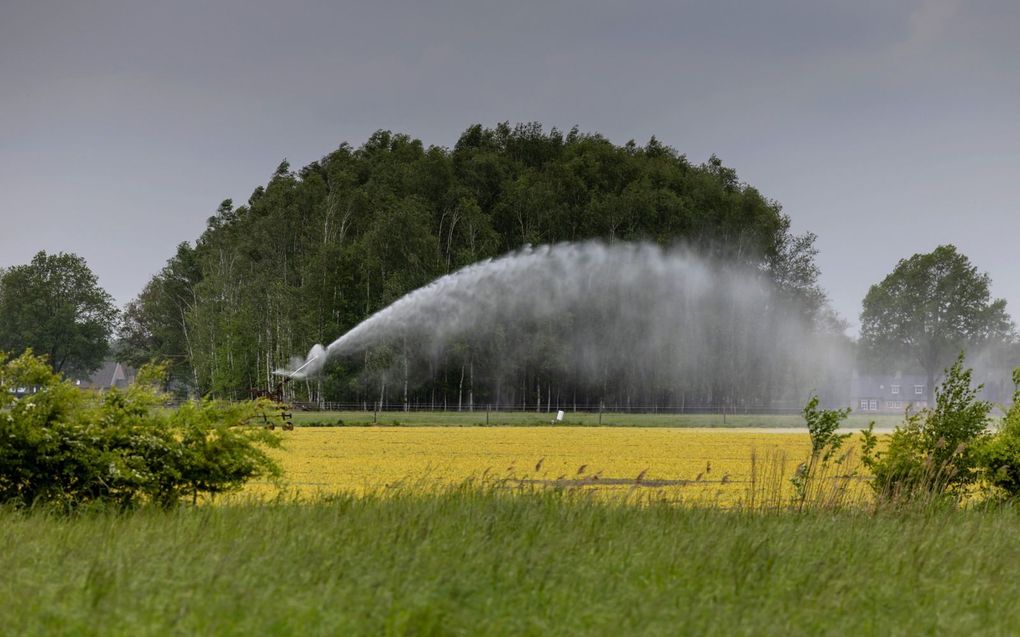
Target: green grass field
(470, 562)
(524, 418)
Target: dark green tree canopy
(928, 309)
(54, 306)
(315, 251)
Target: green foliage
(823, 427)
(999, 454)
(62, 445)
(869, 445)
(214, 450)
(315, 251)
(958, 419)
(933, 452)
(54, 305)
(929, 308)
(153, 374)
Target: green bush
(62, 445)
(999, 454)
(933, 452)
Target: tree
(793, 269)
(154, 326)
(55, 307)
(931, 307)
(314, 251)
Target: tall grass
(475, 560)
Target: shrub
(823, 425)
(999, 454)
(932, 453)
(59, 444)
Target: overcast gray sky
(886, 128)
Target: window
(894, 404)
(919, 389)
(864, 405)
(895, 389)
(873, 406)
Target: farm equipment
(280, 410)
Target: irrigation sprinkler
(292, 375)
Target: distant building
(888, 394)
(111, 375)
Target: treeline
(314, 252)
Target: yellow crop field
(684, 464)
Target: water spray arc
(671, 316)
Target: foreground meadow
(515, 531)
(468, 561)
(703, 465)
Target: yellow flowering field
(678, 464)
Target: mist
(616, 319)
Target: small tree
(823, 427)
(932, 454)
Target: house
(888, 394)
(895, 393)
(111, 375)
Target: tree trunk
(460, 389)
(405, 375)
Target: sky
(886, 128)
